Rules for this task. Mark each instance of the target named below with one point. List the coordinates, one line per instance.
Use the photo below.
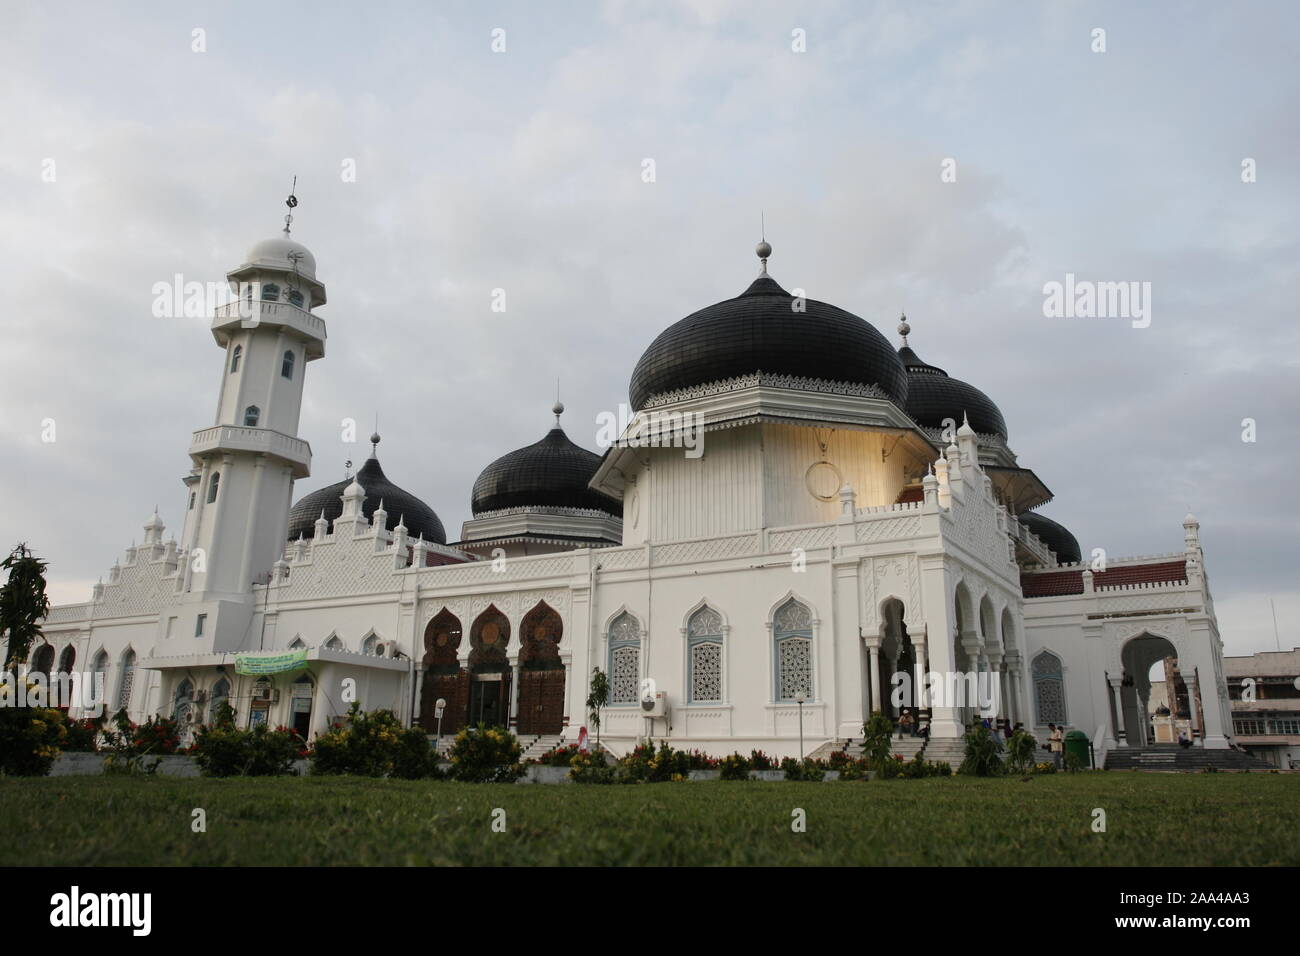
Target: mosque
(796, 513)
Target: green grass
(1152, 819)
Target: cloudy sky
(127, 157)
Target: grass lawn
(1151, 819)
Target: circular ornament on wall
(823, 480)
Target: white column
(873, 650)
(1117, 698)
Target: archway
(489, 670)
(897, 656)
(43, 660)
(1155, 704)
(966, 656)
(541, 672)
(443, 676)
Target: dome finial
(291, 202)
(557, 410)
(903, 328)
(374, 444)
(764, 248)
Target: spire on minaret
(557, 410)
(374, 444)
(292, 203)
(764, 248)
(903, 328)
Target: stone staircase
(536, 745)
(939, 750)
(1172, 757)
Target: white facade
(784, 561)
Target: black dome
(1055, 536)
(553, 472)
(759, 331)
(419, 517)
(933, 396)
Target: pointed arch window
(704, 656)
(792, 651)
(213, 482)
(127, 681)
(624, 661)
(1049, 688)
(334, 644)
(235, 355)
(286, 366)
(251, 414)
(183, 702)
(220, 695)
(295, 298)
(270, 292)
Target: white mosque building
(796, 512)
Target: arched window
(212, 486)
(251, 415)
(624, 661)
(334, 644)
(43, 660)
(286, 366)
(295, 297)
(220, 695)
(792, 651)
(183, 702)
(704, 656)
(270, 292)
(67, 659)
(1049, 688)
(235, 355)
(127, 680)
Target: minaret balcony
(263, 441)
(246, 314)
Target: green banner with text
(270, 663)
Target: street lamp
(438, 705)
(799, 698)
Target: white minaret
(246, 462)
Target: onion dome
(1055, 536)
(765, 329)
(933, 395)
(553, 472)
(283, 254)
(399, 505)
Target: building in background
(1265, 693)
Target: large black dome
(933, 396)
(1055, 536)
(553, 472)
(760, 331)
(420, 519)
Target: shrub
(981, 752)
(486, 755)
(30, 738)
(591, 768)
(734, 767)
(645, 764)
(83, 735)
(1044, 768)
(157, 736)
(807, 770)
(761, 761)
(890, 768)
(221, 750)
(557, 756)
(1020, 750)
(918, 767)
(875, 742)
(374, 744)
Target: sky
(144, 141)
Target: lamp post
(799, 698)
(438, 705)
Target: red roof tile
(1051, 583)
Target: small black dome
(933, 396)
(760, 331)
(400, 505)
(1055, 536)
(553, 472)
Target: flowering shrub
(221, 750)
(918, 767)
(30, 738)
(761, 761)
(848, 767)
(645, 764)
(557, 756)
(486, 755)
(1044, 768)
(591, 768)
(83, 735)
(734, 767)
(807, 769)
(374, 744)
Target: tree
(23, 603)
(597, 697)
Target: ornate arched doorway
(489, 670)
(443, 676)
(541, 672)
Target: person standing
(1056, 742)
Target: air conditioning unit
(656, 706)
